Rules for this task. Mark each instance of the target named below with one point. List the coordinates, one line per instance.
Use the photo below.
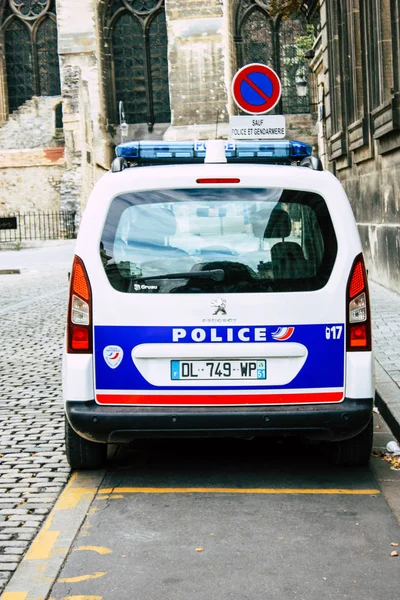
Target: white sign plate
(258, 127)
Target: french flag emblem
(283, 333)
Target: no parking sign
(256, 89)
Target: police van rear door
(221, 292)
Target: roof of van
(185, 176)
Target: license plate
(222, 369)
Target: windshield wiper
(215, 274)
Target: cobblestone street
(33, 469)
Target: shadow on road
(270, 463)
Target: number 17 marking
(334, 333)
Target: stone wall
(374, 193)
(230, 59)
(33, 125)
(79, 46)
(320, 86)
(365, 154)
(198, 89)
(30, 189)
(87, 143)
(31, 158)
(70, 192)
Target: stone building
(31, 153)
(357, 70)
(66, 65)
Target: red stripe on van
(180, 399)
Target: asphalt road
(223, 519)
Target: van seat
(288, 261)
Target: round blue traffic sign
(256, 88)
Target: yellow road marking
(81, 577)
(98, 549)
(110, 497)
(83, 598)
(54, 540)
(71, 497)
(215, 490)
(43, 544)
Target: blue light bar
(159, 152)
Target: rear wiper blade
(215, 274)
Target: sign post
(256, 89)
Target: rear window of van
(225, 240)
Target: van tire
(356, 451)
(81, 453)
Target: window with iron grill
(292, 65)
(136, 35)
(129, 67)
(266, 36)
(257, 34)
(29, 36)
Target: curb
(38, 570)
(387, 399)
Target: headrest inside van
(279, 224)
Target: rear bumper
(123, 424)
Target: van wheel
(82, 454)
(356, 451)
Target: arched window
(257, 33)
(28, 34)
(136, 66)
(277, 39)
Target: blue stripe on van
(324, 366)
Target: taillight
(358, 309)
(79, 326)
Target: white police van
(218, 291)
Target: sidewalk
(386, 344)
(46, 254)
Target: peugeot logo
(219, 304)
